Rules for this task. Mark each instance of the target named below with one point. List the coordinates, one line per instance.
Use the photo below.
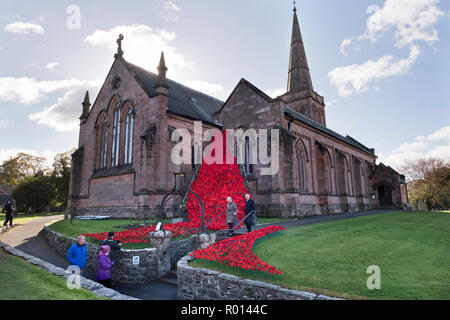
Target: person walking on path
(232, 211)
(8, 211)
(113, 244)
(249, 207)
(77, 254)
(104, 265)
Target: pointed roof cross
(119, 53)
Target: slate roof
(183, 101)
(348, 140)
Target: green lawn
(22, 281)
(23, 218)
(412, 250)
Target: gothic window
(115, 148)
(102, 138)
(248, 156)
(128, 141)
(301, 160)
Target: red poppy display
(237, 251)
(214, 184)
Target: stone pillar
(203, 241)
(161, 241)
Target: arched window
(248, 157)
(102, 141)
(115, 146)
(128, 147)
(301, 160)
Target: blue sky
(382, 65)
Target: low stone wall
(124, 271)
(205, 284)
(178, 249)
(151, 265)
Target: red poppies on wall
(237, 251)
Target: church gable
(247, 106)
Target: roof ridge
(176, 82)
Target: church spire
(299, 76)
(86, 105)
(162, 80)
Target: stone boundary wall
(123, 271)
(87, 284)
(205, 284)
(178, 249)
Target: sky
(382, 65)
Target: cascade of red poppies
(214, 184)
(237, 251)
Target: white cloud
(29, 90)
(170, 5)
(52, 65)
(6, 154)
(4, 123)
(358, 78)
(274, 93)
(64, 114)
(24, 28)
(436, 145)
(205, 86)
(345, 43)
(143, 45)
(442, 134)
(170, 11)
(411, 22)
(411, 147)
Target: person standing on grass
(114, 245)
(104, 265)
(249, 207)
(8, 211)
(232, 211)
(77, 254)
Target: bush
(34, 193)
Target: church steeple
(86, 105)
(162, 85)
(299, 76)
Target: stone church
(122, 166)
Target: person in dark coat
(104, 265)
(8, 211)
(249, 207)
(232, 211)
(113, 244)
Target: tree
(61, 175)
(34, 193)
(13, 170)
(430, 182)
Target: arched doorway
(385, 196)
